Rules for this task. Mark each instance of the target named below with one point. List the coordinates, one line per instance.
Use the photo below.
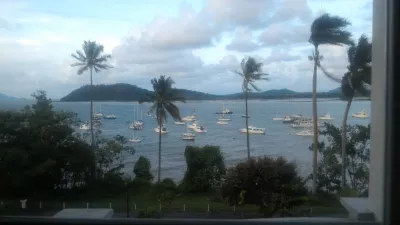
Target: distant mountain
(336, 90)
(128, 92)
(4, 97)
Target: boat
(188, 138)
(224, 110)
(287, 119)
(148, 114)
(244, 116)
(110, 117)
(305, 123)
(98, 114)
(188, 135)
(222, 122)
(179, 122)
(193, 125)
(326, 116)
(361, 115)
(222, 118)
(84, 127)
(277, 118)
(200, 129)
(188, 118)
(305, 133)
(139, 122)
(163, 130)
(253, 130)
(134, 139)
(296, 116)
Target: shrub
(140, 185)
(271, 184)
(142, 169)
(205, 169)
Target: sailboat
(134, 139)
(277, 118)
(222, 118)
(188, 136)
(136, 125)
(98, 114)
(139, 122)
(224, 110)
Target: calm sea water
(279, 140)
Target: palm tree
(356, 80)
(251, 72)
(91, 59)
(162, 99)
(325, 29)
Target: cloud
(198, 44)
(243, 41)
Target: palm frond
(254, 86)
(78, 64)
(173, 110)
(79, 56)
(328, 29)
(101, 59)
(329, 75)
(82, 69)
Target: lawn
(199, 203)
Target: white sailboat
(139, 122)
(222, 118)
(180, 122)
(193, 125)
(134, 139)
(188, 136)
(98, 114)
(361, 115)
(163, 130)
(222, 122)
(277, 118)
(305, 132)
(200, 129)
(326, 116)
(253, 130)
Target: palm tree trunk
(91, 106)
(159, 145)
(315, 122)
(247, 124)
(344, 142)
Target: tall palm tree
(326, 29)
(163, 97)
(251, 72)
(92, 58)
(356, 80)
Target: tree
(251, 72)
(357, 158)
(163, 100)
(271, 184)
(326, 29)
(142, 169)
(205, 168)
(91, 59)
(355, 81)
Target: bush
(271, 184)
(150, 212)
(205, 169)
(140, 185)
(142, 169)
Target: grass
(189, 203)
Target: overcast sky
(197, 42)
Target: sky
(196, 42)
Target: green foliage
(150, 212)
(271, 184)
(357, 158)
(42, 156)
(142, 169)
(328, 29)
(205, 168)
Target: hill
(128, 92)
(4, 97)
